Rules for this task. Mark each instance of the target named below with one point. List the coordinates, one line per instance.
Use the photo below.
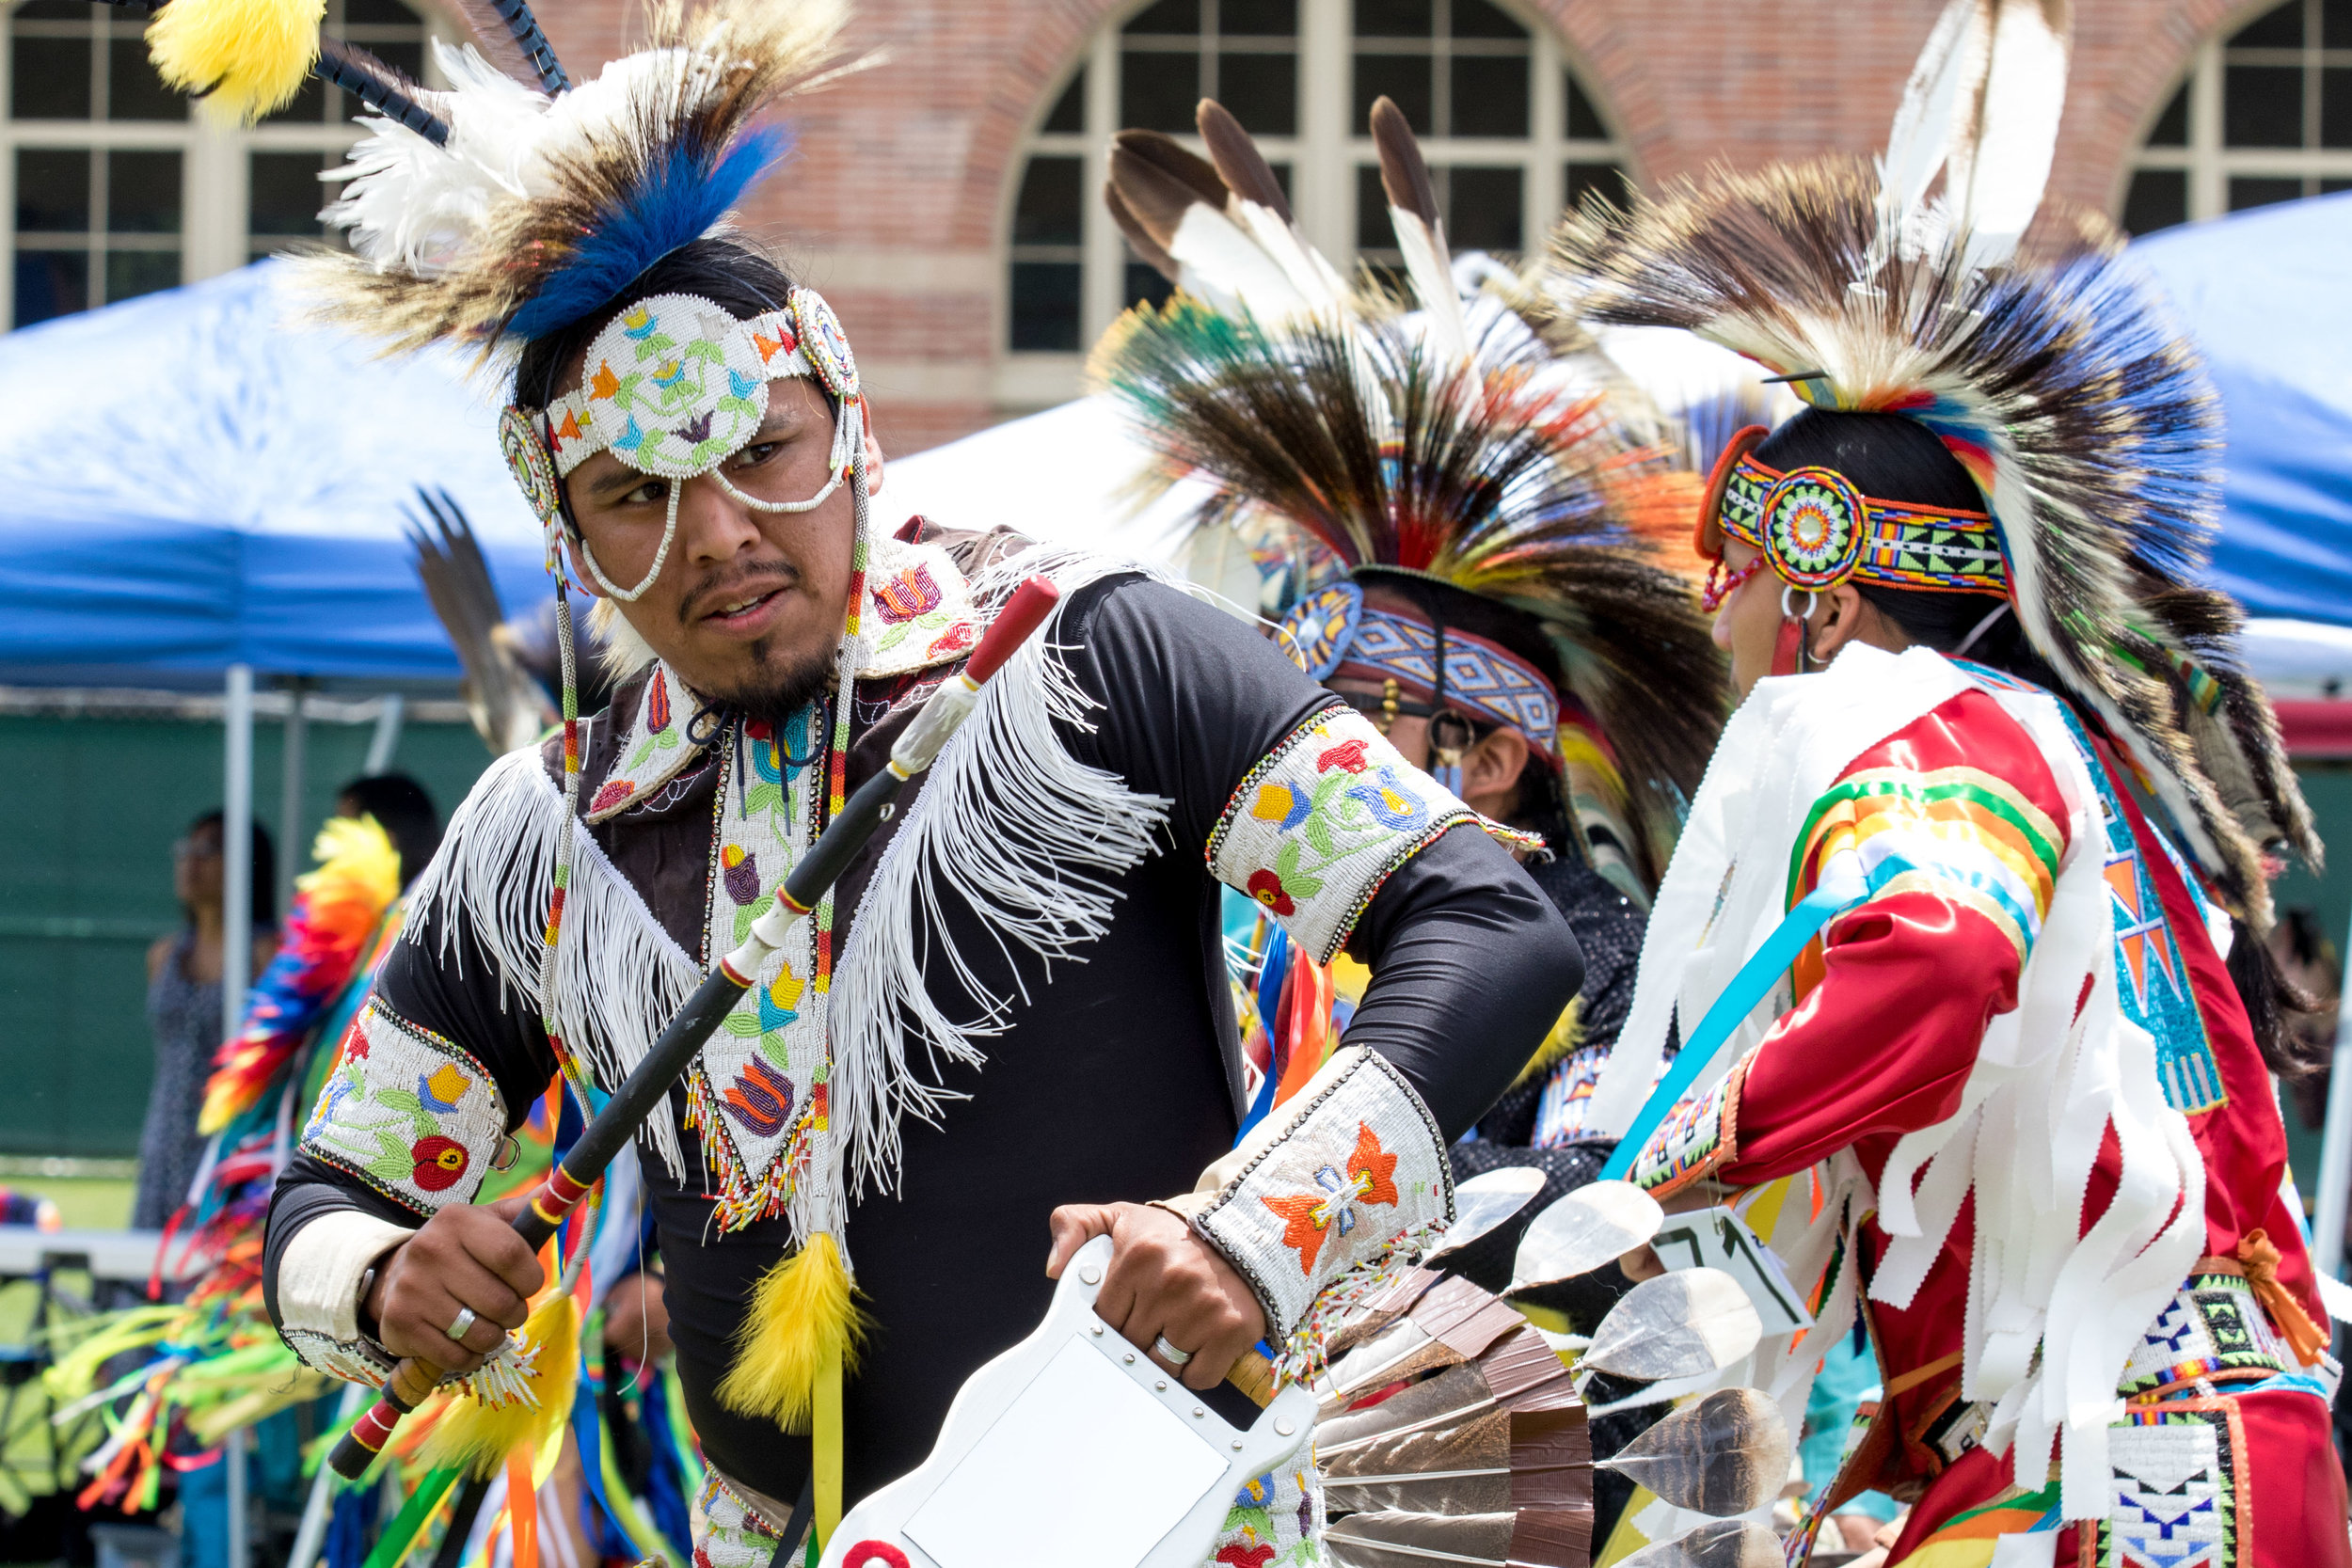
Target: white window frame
(1323, 157)
(214, 190)
(2210, 162)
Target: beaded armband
(1346, 1180)
(1319, 823)
(1701, 1134)
(407, 1112)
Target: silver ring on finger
(465, 1320)
(1169, 1353)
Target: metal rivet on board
(1129, 1359)
(1091, 1276)
(1285, 1428)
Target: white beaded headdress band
(674, 386)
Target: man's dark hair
(403, 809)
(740, 279)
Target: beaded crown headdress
(1453, 444)
(2056, 380)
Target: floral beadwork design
(675, 383)
(1355, 1169)
(1318, 825)
(757, 1091)
(654, 749)
(1369, 1179)
(922, 609)
(1275, 1521)
(407, 1112)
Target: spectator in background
(183, 973)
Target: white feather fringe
(492, 881)
(1009, 825)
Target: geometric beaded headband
(1817, 530)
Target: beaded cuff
(1353, 1173)
(1317, 825)
(1701, 1134)
(408, 1113)
(356, 1360)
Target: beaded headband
(674, 386)
(1334, 631)
(1817, 530)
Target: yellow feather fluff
(242, 58)
(803, 1315)
(479, 1436)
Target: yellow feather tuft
(242, 58)
(357, 854)
(478, 1435)
(804, 1316)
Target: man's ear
(1836, 622)
(1494, 765)
(873, 448)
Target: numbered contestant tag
(1719, 1239)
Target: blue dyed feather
(678, 200)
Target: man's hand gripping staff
(648, 1086)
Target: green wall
(91, 808)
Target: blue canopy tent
(201, 485)
(2263, 293)
(197, 480)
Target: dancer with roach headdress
(688, 425)
(1965, 936)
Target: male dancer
(691, 427)
(2013, 1104)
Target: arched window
(1511, 133)
(2263, 115)
(116, 189)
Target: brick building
(945, 199)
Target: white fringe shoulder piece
(1011, 825)
(1007, 824)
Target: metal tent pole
(2334, 1190)
(240, 1524)
(291, 848)
(388, 718)
(236, 838)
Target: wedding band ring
(465, 1320)
(1169, 1353)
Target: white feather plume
(1981, 108)
(412, 205)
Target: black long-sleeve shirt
(1116, 1078)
